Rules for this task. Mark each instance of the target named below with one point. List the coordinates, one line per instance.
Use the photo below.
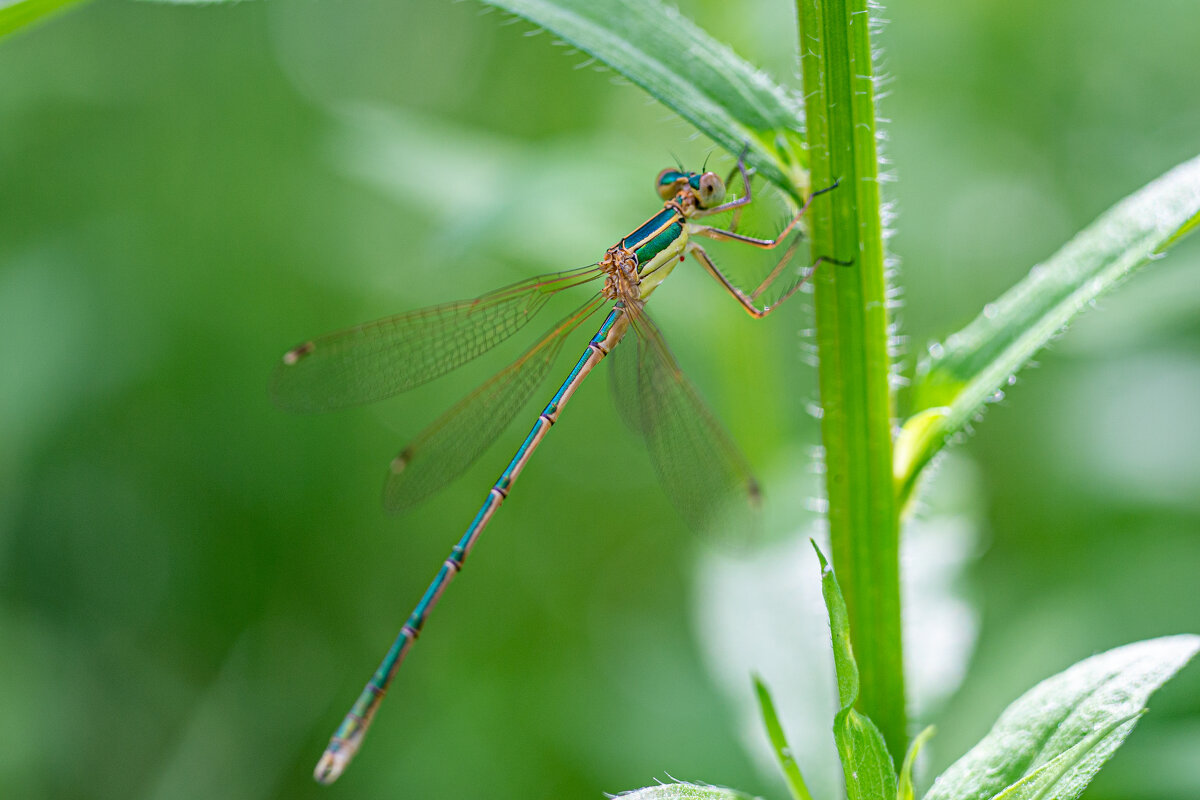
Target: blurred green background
(194, 585)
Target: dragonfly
(697, 462)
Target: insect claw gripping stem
(836, 183)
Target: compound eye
(667, 183)
(711, 191)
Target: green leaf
(195, 2)
(1096, 701)
(787, 762)
(684, 791)
(905, 791)
(701, 79)
(845, 667)
(1057, 778)
(16, 14)
(852, 336)
(866, 764)
(974, 365)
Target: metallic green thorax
(657, 246)
(650, 249)
(651, 231)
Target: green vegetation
(188, 573)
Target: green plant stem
(852, 342)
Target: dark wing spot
(401, 461)
(297, 353)
(755, 492)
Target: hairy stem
(852, 341)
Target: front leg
(744, 200)
(721, 234)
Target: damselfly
(697, 462)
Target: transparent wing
(445, 449)
(623, 382)
(379, 359)
(703, 471)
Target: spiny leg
(747, 300)
(744, 200)
(737, 212)
(720, 234)
(748, 175)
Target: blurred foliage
(194, 584)
(16, 14)
(972, 367)
(726, 98)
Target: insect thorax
(621, 268)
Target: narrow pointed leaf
(970, 367)
(698, 77)
(905, 790)
(846, 668)
(779, 743)
(866, 763)
(1103, 693)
